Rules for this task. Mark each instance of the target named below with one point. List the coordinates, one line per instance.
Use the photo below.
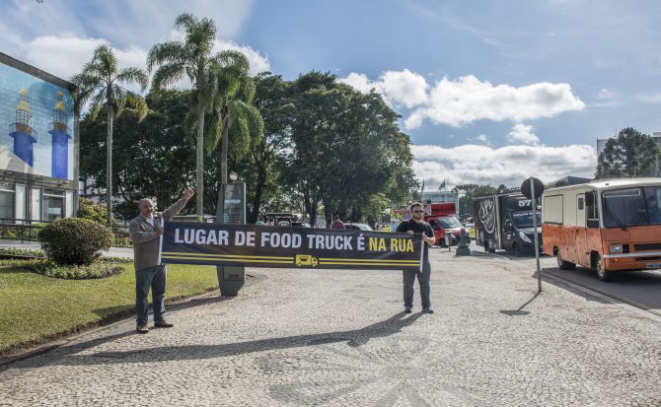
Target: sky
(489, 91)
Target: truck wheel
(564, 265)
(602, 273)
(492, 249)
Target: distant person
(337, 223)
(417, 226)
(145, 231)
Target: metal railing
(28, 230)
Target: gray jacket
(145, 237)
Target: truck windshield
(449, 222)
(631, 207)
(524, 219)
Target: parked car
(358, 226)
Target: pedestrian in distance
(145, 231)
(337, 223)
(417, 226)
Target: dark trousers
(423, 280)
(154, 277)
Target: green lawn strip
(35, 308)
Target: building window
(53, 204)
(7, 198)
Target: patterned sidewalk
(339, 338)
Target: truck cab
(442, 217)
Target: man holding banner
(145, 232)
(417, 226)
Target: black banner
(268, 246)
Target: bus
(609, 226)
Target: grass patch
(35, 308)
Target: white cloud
(64, 56)
(483, 138)
(649, 97)
(398, 88)
(522, 133)
(468, 99)
(479, 164)
(605, 94)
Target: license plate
(654, 265)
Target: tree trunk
(199, 166)
(224, 145)
(109, 167)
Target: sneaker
(142, 329)
(163, 324)
(407, 310)
(427, 311)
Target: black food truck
(505, 222)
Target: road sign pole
(533, 204)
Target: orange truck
(442, 217)
(610, 226)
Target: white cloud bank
(398, 88)
(65, 55)
(479, 164)
(467, 99)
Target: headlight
(616, 248)
(524, 237)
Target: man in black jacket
(413, 226)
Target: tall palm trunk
(224, 144)
(199, 167)
(109, 166)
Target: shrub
(74, 241)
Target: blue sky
(489, 91)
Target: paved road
(339, 338)
(640, 288)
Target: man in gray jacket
(145, 231)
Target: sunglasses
(418, 211)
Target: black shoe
(427, 311)
(407, 310)
(163, 324)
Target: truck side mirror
(589, 199)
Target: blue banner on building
(267, 246)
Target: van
(610, 225)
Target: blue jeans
(423, 280)
(154, 277)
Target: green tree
(191, 58)
(260, 170)
(102, 75)
(346, 147)
(629, 155)
(466, 194)
(234, 116)
(145, 168)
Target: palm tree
(234, 115)
(102, 75)
(193, 59)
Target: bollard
(462, 247)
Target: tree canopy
(630, 154)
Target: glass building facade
(38, 145)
